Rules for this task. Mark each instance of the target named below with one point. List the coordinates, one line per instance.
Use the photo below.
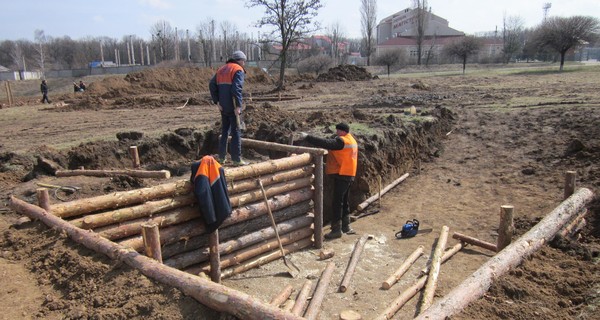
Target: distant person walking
(226, 91)
(44, 90)
(342, 161)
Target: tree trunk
(210, 294)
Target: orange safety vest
(345, 161)
(226, 73)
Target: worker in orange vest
(342, 161)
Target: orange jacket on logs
(210, 189)
(345, 161)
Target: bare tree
(463, 48)
(422, 20)
(40, 38)
(336, 34)
(562, 34)
(163, 36)
(18, 56)
(512, 37)
(390, 58)
(368, 21)
(292, 20)
(230, 37)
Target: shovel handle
(262, 190)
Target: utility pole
(101, 52)
(187, 34)
(132, 49)
(141, 53)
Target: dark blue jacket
(210, 189)
(226, 86)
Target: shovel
(293, 272)
(238, 117)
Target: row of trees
(290, 22)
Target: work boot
(336, 231)
(240, 163)
(346, 225)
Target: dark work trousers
(229, 125)
(340, 206)
(45, 97)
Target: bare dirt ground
(512, 136)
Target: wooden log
(436, 262)
(302, 298)
(257, 144)
(570, 180)
(479, 282)
(235, 187)
(43, 198)
(391, 280)
(134, 212)
(315, 303)
(161, 174)
(135, 156)
(215, 258)
(372, 199)
(475, 241)
(404, 297)
(318, 201)
(506, 227)
(288, 305)
(350, 315)
(151, 238)
(200, 255)
(358, 248)
(266, 167)
(212, 295)
(196, 227)
(266, 258)
(447, 255)
(237, 257)
(282, 296)
(119, 199)
(272, 190)
(165, 219)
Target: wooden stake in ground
(479, 282)
(135, 156)
(402, 269)
(436, 262)
(215, 257)
(506, 227)
(372, 199)
(570, 179)
(151, 238)
(43, 198)
(358, 248)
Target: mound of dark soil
(345, 72)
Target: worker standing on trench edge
(226, 92)
(342, 161)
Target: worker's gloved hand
(303, 135)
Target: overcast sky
(81, 18)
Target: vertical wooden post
(135, 157)
(570, 177)
(151, 238)
(7, 93)
(436, 262)
(215, 257)
(506, 227)
(318, 200)
(418, 166)
(43, 199)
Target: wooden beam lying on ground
(475, 241)
(372, 199)
(161, 174)
(212, 295)
(479, 282)
(389, 282)
(315, 303)
(358, 248)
